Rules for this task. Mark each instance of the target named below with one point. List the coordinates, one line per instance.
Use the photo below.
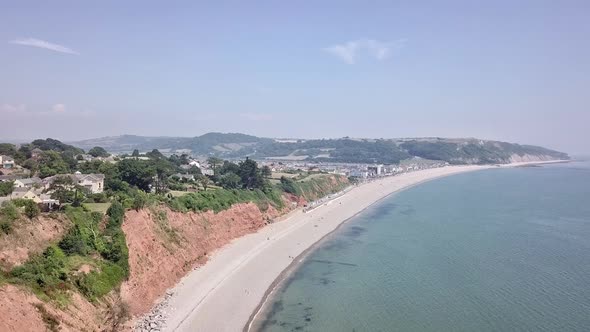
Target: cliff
(163, 246)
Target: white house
(6, 162)
(93, 182)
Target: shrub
(6, 227)
(9, 212)
(99, 283)
(44, 272)
(32, 210)
(289, 186)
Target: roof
(90, 177)
(29, 181)
(9, 177)
(76, 177)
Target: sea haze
(494, 250)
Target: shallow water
(494, 250)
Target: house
(94, 183)
(26, 193)
(27, 182)
(194, 163)
(187, 177)
(6, 162)
(45, 202)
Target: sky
(516, 71)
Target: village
(42, 192)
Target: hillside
(343, 150)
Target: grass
(178, 193)
(278, 175)
(222, 199)
(98, 207)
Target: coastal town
(29, 185)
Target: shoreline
(240, 277)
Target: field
(98, 207)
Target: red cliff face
(165, 245)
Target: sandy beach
(223, 294)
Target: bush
(6, 227)
(140, 200)
(44, 272)
(9, 212)
(99, 283)
(32, 210)
(289, 186)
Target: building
(94, 183)
(26, 193)
(194, 163)
(44, 201)
(6, 162)
(376, 170)
(27, 182)
(187, 177)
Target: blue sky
(509, 70)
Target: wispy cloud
(349, 51)
(44, 44)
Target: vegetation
(338, 150)
(222, 199)
(9, 213)
(98, 151)
(55, 271)
(6, 188)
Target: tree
(135, 153)
(98, 151)
(194, 170)
(230, 180)
(32, 165)
(7, 149)
(229, 167)
(155, 154)
(138, 173)
(66, 190)
(250, 174)
(266, 171)
(204, 181)
(52, 163)
(6, 188)
(213, 163)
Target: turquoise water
(495, 250)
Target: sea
(504, 249)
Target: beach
(226, 293)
